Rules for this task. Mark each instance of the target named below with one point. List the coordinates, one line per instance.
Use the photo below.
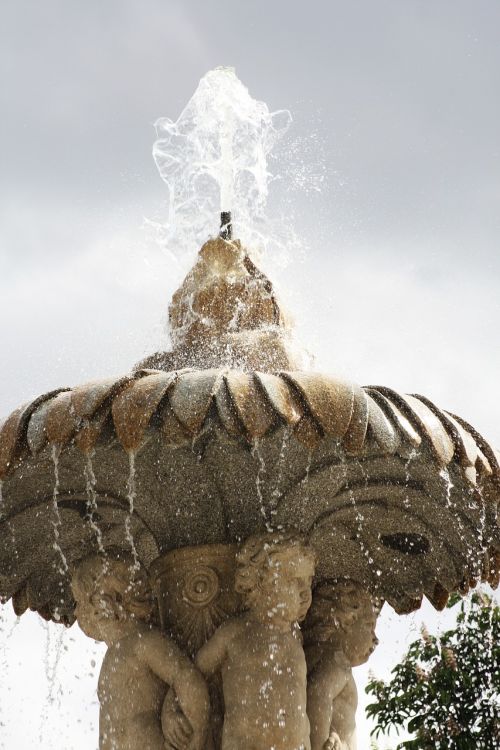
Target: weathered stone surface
(258, 656)
(114, 604)
(134, 406)
(194, 587)
(13, 431)
(331, 402)
(339, 633)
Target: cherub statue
(259, 655)
(114, 604)
(339, 633)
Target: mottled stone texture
(226, 313)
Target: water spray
(214, 160)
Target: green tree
(446, 691)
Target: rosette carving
(195, 591)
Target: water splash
(214, 158)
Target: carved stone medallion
(195, 591)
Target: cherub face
(286, 586)
(359, 641)
(90, 611)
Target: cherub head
(274, 574)
(344, 615)
(110, 593)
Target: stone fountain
(221, 457)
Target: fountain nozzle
(226, 227)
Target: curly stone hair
(119, 577)
(258, 554)
(336, 606)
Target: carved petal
(438, 597)
(330, 401)
(250, 403)
(88, 435)
(227, 411)
(281, 397)
(60, 420)
(434, 429)
(9, 436)
(403, 426)
(383, 431)
(133, 407)
(404, 605)
(36, 433)
(88, 398)
(492, 455)
(174, 432)
(20, 601)
(12, 430)
(483, 466)
(465, 445)
(308, 433)
(355, 436)
(192, 396)
(494, 572)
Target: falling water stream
(411, 457)
(131, 496)
(56, 519)
(259, 479)
(54, 640)
(90, 488)
(280, 467)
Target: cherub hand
(333, 742)
(177, 731)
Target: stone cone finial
(225, 314)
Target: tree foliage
(446, 691)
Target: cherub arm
(325, 683)
(213, 654)
(171, 665)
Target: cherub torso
(339, 693)
(131, 696)
(344, 712)
(264, 684)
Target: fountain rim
(248, 405)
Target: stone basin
(391, 491)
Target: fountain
(193, 511)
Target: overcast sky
(396, 113)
